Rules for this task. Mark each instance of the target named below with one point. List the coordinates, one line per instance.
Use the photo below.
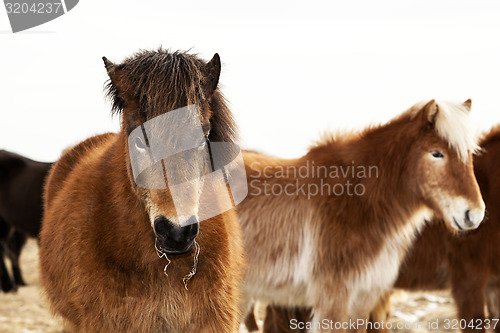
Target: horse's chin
(455, 228)
(458, 233)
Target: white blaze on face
(458, 212)
(155, 212)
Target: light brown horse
(467, 264)
(329, 230)
(105, 240)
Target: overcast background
(291, 69)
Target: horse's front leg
(468, 290)
(331, 315)
(380, 313)
(250, 321)
(359, 322)
(15, 244)
(362, 307)
(6, 282)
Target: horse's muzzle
(173, 238)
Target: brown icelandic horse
(21, 184)
(467, 264)
(312, 243)
(101, 231)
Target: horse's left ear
(108, 65)
(113, 73)
(118, 88)
(467, 104)
(212, 74)
(430, 112)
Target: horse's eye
(139, 144)
(437, 154)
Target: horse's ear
(212, 74)
(110, 67)
(467, 104)
(113, 73)
(430, 112)
(118, 88)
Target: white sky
(291, 69)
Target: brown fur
(98, 262)
(468, 264)
(348, 233)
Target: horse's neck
(387, 198)
(390, 204)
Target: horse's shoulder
(69, 159)
(75, 153)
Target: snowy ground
(27, 311)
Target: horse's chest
(378, 275)
(284, 277)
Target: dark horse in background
(21, 184)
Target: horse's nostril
(172, 233)
(468, 219)
(161, 219)
(474, 216)
(193, 230)
(162, 226)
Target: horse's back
(66, 164)
(9, 160)
(11, 164)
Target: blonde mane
(453, 124)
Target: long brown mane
(163, 81)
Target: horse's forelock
(163, 81)
(452, 123)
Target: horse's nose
(173, 238)
(473, 217)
